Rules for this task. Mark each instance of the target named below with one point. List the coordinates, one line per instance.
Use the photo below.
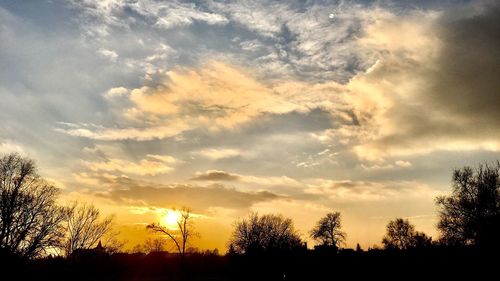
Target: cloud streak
(214, 175)
(151, 165)
(363, 191)
(200, 198)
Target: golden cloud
(151, 165)
(213, 97)
(419, 99)
(404, 104)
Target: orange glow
(170, 219)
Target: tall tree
(30, 220)
(84, 227)
(400, 235)
(328, 230)
(471, 214)
(257, 234)
(182, 234)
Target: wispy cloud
(215, 175)
(7, 146)
(218, 153)
(256, 181)
(151, 165)
(215, 97)
(200, 198)
(361, 191)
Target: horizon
(294, 108)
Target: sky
(230, 107)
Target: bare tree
(264, 233)
(328, 231)
(84, 227)
(401, 235)
(30, 220)
(154, 245)
(111, 243)
(182, 234)
(471, 214)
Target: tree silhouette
(471, 214)
(421, 240)
(401, 235)
(182, 234)
(154, 245)
(30, 220)
(84, 227)
(257, 234)
(328, 231)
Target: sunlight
(170, 218)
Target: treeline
(33, 225)
(52, 240)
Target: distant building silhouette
(98, 251)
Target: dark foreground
(426, 264)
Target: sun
(171, 218)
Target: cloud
(286, 26)
(274, 38)
(99, 132)
(214, 97)
(423, 94)
(359, 191)
(102, 15)
(215, 175)
(402, 163)
(116, 92)
(273, 181)
(379, 104)
(387, 166)
(226, 95)
(218, 153)
(7, 146)
(200, 198)
(151, 165)
(470, 46)
(307, 42)
(93, 179)
(109, 54)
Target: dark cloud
(200, 198)
(457, 94)
(467, 82)
(405, 5)
(214, 175)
